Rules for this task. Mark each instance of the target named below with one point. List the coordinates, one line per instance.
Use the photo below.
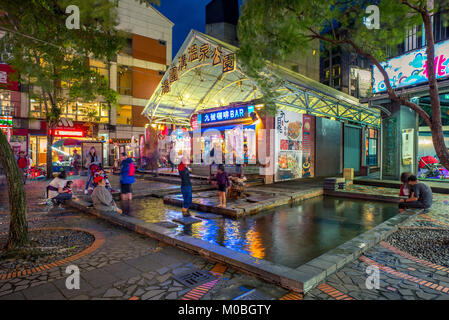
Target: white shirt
(57, 183)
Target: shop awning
(205, 74)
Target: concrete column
(401, 118)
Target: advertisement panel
(411, 68)
(288, 145)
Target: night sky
(186, 15)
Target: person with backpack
(186, 187)
(23, 163)
(127, 171)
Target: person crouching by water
(186, 187)
(223, 185)
(420, 198)
(55, 190)
(102, 198)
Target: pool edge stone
(301, 279)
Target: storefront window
(77, 111)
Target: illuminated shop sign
(238, 113)
(5, 121)
(67, 133)
(411, 68)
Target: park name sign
(203, 53)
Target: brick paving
(134, 267)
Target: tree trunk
(18, 225)
(436, 125)
(49, 152)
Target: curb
(99, 239)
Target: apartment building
(134, 74)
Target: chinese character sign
(229, 63)
(223, 115)
(411, 68)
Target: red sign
(68, 133)
(194, 121)
(5, 81)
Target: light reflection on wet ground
(289, 236)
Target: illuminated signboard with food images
(411, 68)
(229, 114)
(288, 145)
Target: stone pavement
(131, 266)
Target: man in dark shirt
(421, 197)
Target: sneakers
(185, 213)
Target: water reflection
(287, 235)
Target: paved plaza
(131, 266)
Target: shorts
(125, 188)
(222, 187)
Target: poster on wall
(289, 145)
(18, 143)
(85, 148)
(307, 169)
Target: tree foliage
(55, 59)
(270, 31)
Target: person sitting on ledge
(102, 198)
(420, 198)
(55, 190)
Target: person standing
(223, 184)
(127, 171)
(91, 159)
(22, 163)
(186, 187)
(420, 198)
(76, 162)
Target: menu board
(288, 145)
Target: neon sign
(224, 115)
(411, 68)
(67, 133)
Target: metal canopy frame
(204, 86)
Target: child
(68, 187)
(223, 184)
(405, 186)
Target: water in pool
(288, 235)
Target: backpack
(132, 169)
(22, 162)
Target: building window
(128, 48)
(124, 77)
(99, 67)
(440, 27)
(124, 114)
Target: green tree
(270, 31)
(54, 59)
